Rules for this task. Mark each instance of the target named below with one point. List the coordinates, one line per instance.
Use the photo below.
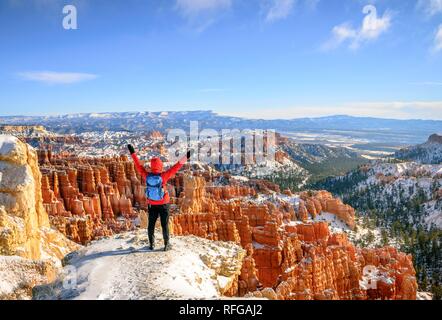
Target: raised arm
(141, 170)
(172, 171)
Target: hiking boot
(151, 247)
(167, 247)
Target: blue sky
(254, 58)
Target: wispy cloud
(430, 7)
(279, 9)
(437, 46)
(200, 14)
(191, 8)
(51, 77)
(371, 28)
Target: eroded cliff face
(315, 202)
(290, 258)
(30, 250)
(24, 223)
(90, 198)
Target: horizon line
(217, 113)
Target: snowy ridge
(399, 182)
(426, 153)
(121, 267)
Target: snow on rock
(434, 217)
(122, 267)
(424, 296)
(400, 182)
(429, 152)
(19, 275)
(12, 150)
(359, 234)
(240, 178)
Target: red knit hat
(156, 165)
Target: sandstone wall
(316, 202)
(24, 223)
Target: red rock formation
(85, 196)
(298, 260)
(322, 201)
(302, 211)
(248, 280)
(156, 135)
(396, 275)
(280, 156)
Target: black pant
(154, 212)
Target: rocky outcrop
(435, 138)
(156, 135)
(24, 223)
(19, 276)
(316, 202)
(395, 276)
(429, 152)
(31, 130)
(30, 250)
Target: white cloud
(340, 34)
(192, 8)
(438, 40)
(430, 7)
(372, 27)
(51, 77)
(279, 9)
(200, 14)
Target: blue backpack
(154, 190)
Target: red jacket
(165, 175)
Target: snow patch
(122, 267)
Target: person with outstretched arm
(156, 192)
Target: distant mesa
(23, 129)
(435, 138)
(156, 135)
(429, 152)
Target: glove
(131, 149)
